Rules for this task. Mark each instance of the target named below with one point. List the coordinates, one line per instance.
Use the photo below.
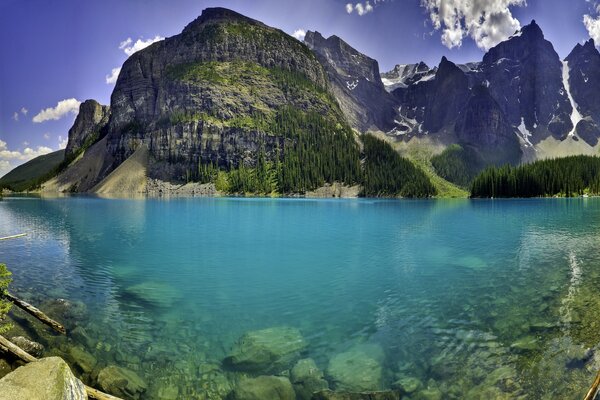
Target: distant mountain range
(232, 93)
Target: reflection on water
(464, 299)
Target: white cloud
(62, 142)
(63, 108)
(16, 116)
(26, 143)
(47, 136)
(10, 159)
(299, 34)
(24, 111)
(112, 78)
(593, 26)
(361, 8)
(139, 44)
(487, 22)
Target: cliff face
(91, 119)
(355, 82)
(203, 95)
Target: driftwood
(13, 236)
(591, 395)
(36, 313)
(9, 347)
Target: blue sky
(57, 53)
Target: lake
(451, 298)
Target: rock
(526, 344)
(47, 379)
(155, 293)
(81, 336)
(429, 394)
(307, 379)
(5, 368)
(82, 359)
(358, 369)
(407, 384)
(121, 382)
(34, 348)
(264, 387)
(91, 118)
(383, 395)
(266, 350)
(67, 312)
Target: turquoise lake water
(475, 299)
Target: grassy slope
(25, 175)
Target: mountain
(233, 103)
(30, 174)
(404, 75)
(356, 83)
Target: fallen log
(8, 347)
(36, 313)
(13, 236)
(591, 395)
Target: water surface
(453, 291)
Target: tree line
(567, 177)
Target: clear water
(453, 291)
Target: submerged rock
(155, 293)
(329, 395)
(307, 379)
(121, 382)
(357, 370)
(82, 359)
(266, 350)
(47, 379)
(264, 387)
(34, 348)
(407, 384)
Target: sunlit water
(453, 291)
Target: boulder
(383, 395)
(82, 359)
(121, 382)
(267, 350)
(307, 379)
(358, 369)
(264, 387)
(34, 348)
(47, 379)
(157, 294)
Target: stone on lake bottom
(264, 387)
(358, 369)
(382, 395)
(122, 382)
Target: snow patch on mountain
(575, 115)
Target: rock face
(357, 370)
(46, 379)
(121, 382)
(91, 119)
(195, 97)
(267, 350)
(356, 83)
(264, 387)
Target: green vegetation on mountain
(457, 164)
(32, 173)
(565, 177)
(386, 173)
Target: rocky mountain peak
(217, 14)
(532, 30)
(91, 118)
(586, 51)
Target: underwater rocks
(121, 382)
(407, 384)
(81, 359)
(329, 395)
(264, 387)
(357, 370)
(267, 350)
(47, 379)
(307, 378)
(34, 348)
(157, 294)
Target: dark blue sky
(58, 50)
